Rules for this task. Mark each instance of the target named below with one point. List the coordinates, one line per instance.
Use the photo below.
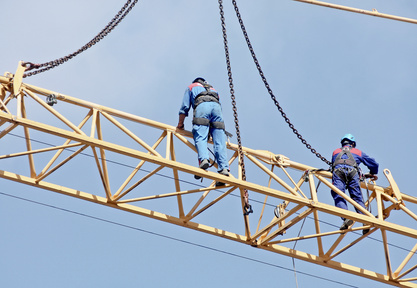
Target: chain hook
(29, 66)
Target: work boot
(203, 165)
(346, 224)
(224, 172)
(365, 231)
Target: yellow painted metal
(374, 11)
(282, 183)
(17, 80)
(2, 94)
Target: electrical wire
(293, 260)
(173, 238)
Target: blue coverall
(213, 112)
(352, 183)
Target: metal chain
(248, 208)
(287, 120)
(112, 24)
(229, 73)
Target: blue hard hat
(348, 137)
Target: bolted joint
(51, 100)
(281, 159)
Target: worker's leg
(219, 138)
(356, 192)
(339, 201)
(219, 141)
(200, 132)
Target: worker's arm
(185, 107)
(370, 163)
(181, 118)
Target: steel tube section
(125, 207)
(203, 228)
(266, 156)
(263, 155)
(312, 205)
(361, 11)
(330, 209)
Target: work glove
(373, 177)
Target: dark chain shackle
(248, 208)
(110, 26)
(258, 66)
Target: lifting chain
(287, 120)
(112, 24)
(247, 207)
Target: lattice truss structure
(94, 153)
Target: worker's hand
(372, 177)
(181, 118)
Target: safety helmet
(199, 79)
(349, 138)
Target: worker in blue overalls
(346, 174)
(208, 118)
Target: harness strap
(350, 161)
(201, 121)
(346, 177)
(218, 125)
(206, 96)
(206, 122)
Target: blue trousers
(213, 112)
(352, 184)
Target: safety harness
(206, 96)
(347, 177)
(341, 172)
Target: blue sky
(333, 72)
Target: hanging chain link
(112, 24)
(287, 120)
(248, 208)
(232, 95)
